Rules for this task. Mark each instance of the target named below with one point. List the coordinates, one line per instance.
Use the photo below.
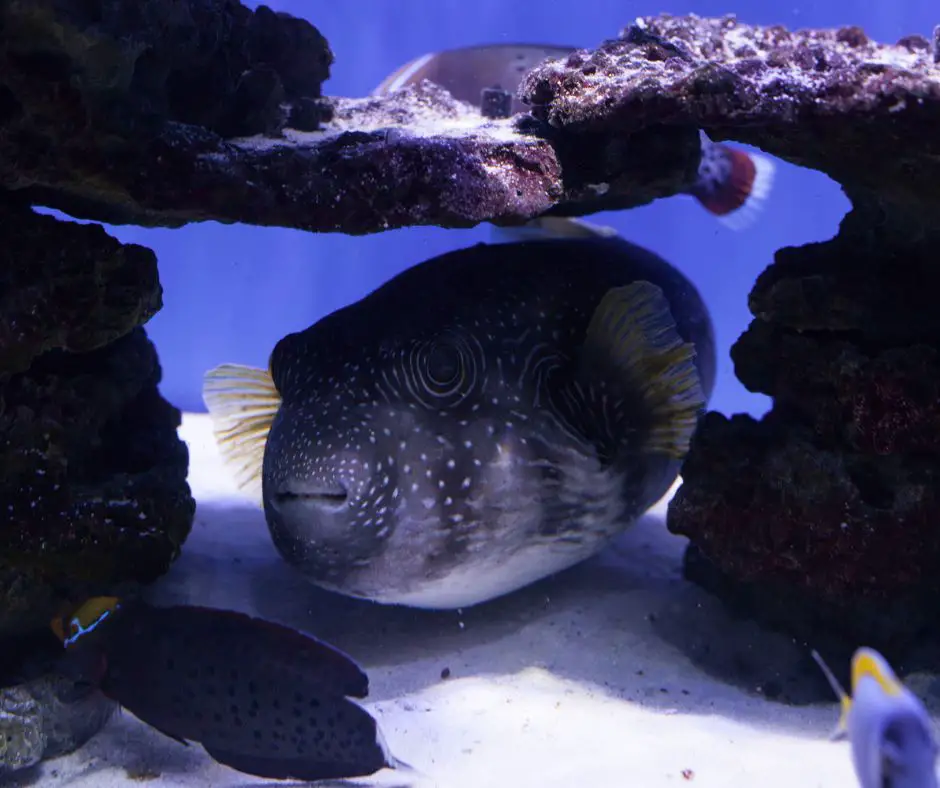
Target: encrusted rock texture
(67, 286)
(36, 723)
(832, 100)
(823, 517)
(163, 112)
(825, 513)
(93, 486)
(43, 713)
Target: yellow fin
(868, 662)
(242, 402)
(845, 702)
(633, 326)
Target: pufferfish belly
(469, 529)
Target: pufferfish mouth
(292, 494)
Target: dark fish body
(448, 438)
(261, 698)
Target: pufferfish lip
(295, 492)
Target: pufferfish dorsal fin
(633, 328)
(242, 402)
(547, 228)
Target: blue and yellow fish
(891, 735)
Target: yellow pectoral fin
(633, 329)
(242, 402)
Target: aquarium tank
(469, 394)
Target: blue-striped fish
(733, 184)
(480, 421)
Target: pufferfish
(732, 184)
(482, 420)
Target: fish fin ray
(868, 662)
(391, 761)
(403, 75)
(845, 702)
(841, 730)
(755, 197)
(166, 733)
(546, 228)
(737, 199)
(633, 327)
(242, 402)
(280, 768)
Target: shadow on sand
(625, 621)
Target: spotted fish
(482, 420)
(260, 697)
(732, 184)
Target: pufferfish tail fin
(845, 702)
(633, 326)
(242, 402)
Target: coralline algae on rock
(36, 723)
(67, 286)
(93, 492)
(163, 112)
(831, 100)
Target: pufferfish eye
(443, 364)
(444, 371)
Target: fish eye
(442, 372)
(444, 364)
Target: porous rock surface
(67, 286)
(93, 478)
(823, 517)
(163, 112)
(825, 99)
(92, 471)
(43, 713)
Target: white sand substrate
(616, 673)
